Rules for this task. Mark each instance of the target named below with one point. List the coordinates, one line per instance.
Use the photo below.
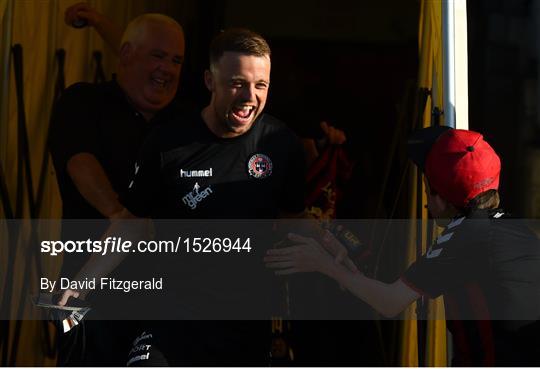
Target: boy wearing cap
(485, 265)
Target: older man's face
(152, 67)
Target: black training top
(487, 267)
(186, 172)
(96, 119)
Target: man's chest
(215, 180)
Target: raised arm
(82, 15)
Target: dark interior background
(347, 62)
(503, 93)
(355, 64)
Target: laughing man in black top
(229, 161)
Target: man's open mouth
(159, 82)
(243, 113)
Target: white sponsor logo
(143, 336)
(193, 198)
(137, 167)
(195, 173)
(138, 358)
(139, 348)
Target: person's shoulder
(79, 100)
(76, 90)
(510, 225)
(84, 88)
(85, 93)
(178, 121)
(179, 127)
(79, 86)
(270, 125)
(497, 229)
(475, 223)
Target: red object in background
(325, 181)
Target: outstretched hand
(307, 256)
(331, 244)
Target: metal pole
(449, 75)
(461, 83)
(5, 62)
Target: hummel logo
(195, 173)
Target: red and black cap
(459, 164)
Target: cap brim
(420, 142)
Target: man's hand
(307, 256)
(81, 13)
(66, 295)
(333, 135)
(335, 248)
(311, 228)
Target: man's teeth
(245, 108)
(159, 81)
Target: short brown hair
(238, 40)
(486, 200)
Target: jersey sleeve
(292, 197)
(74, 125)
(439, 271)
(143, 189)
